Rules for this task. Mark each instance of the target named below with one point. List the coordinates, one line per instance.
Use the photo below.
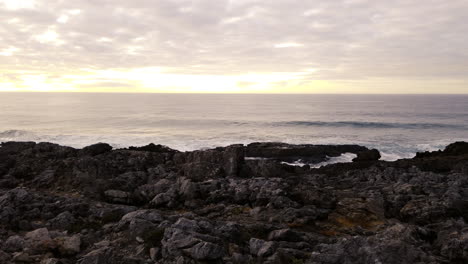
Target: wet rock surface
(153, 204)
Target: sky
(234, 46)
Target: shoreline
(153, 204)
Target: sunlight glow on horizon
(248, 46)
(155, 80)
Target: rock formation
(153, 204)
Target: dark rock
(4, 257)
(39, 239)
(69, 245)
(117, 196)
(154, 148)
(22, 257)
(205, 251)
(96, 205)
(285, 235)
(96, 149)
(98, 256)
(63, 221)
(454, 149)
(457, 148)
(50, 261)
(142, 223)
(233, 160)
(14, 244)
(261, 248)
(15, 147)
(291, 153)
(368, 155)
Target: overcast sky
(310, 46)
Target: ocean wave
(13, 133)
(357, 124)
(391, 148)
(343, 158)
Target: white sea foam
(343, 158)
(406, 125)
(256, 158)
(389, 153)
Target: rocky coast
(235, 204)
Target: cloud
(342, 40)
(288, 45)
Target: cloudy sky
(289, 46)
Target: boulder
(368, 155)
(63, 221)
(69, 245)
(284, 235)
(191, 238)
(39, 239)
(261, 248)
(96, 149)
(306, 152)
(14, 244)
(98, 256)
(205, 251)
(117, 196)
(50, 261)
(4, 257)
(154, 148)
(22, 257)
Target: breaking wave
(383, 125)
(343, 158)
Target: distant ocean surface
(397, 125)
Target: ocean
(397, 125)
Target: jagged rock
(164, 198)
(4, 257)
(423, 211)
(16, 147)
(238, 258)
(39, 239)
(215, 206)
(96, 149)
(50, 261)
(200, 171)
(98, 256)
(69, 245)
(154, 253)
(305, 152)
(233, 160)
(187, 225)
(116, 196)
(261, 248)
(188, 189)
(456, 248)
(452, 241)
(285, 235)
(454, 149)
(154, 148)
(205, 251)
(397, 244)
(368, 155)
(22, 257)
(141, 223)
(103, 243)
(63, 221)
(457, 148)
(14, 244)
(187, 237)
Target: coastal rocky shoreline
(235, 204)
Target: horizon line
(221, 93)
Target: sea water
(397, 125)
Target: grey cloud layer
(348, 39)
